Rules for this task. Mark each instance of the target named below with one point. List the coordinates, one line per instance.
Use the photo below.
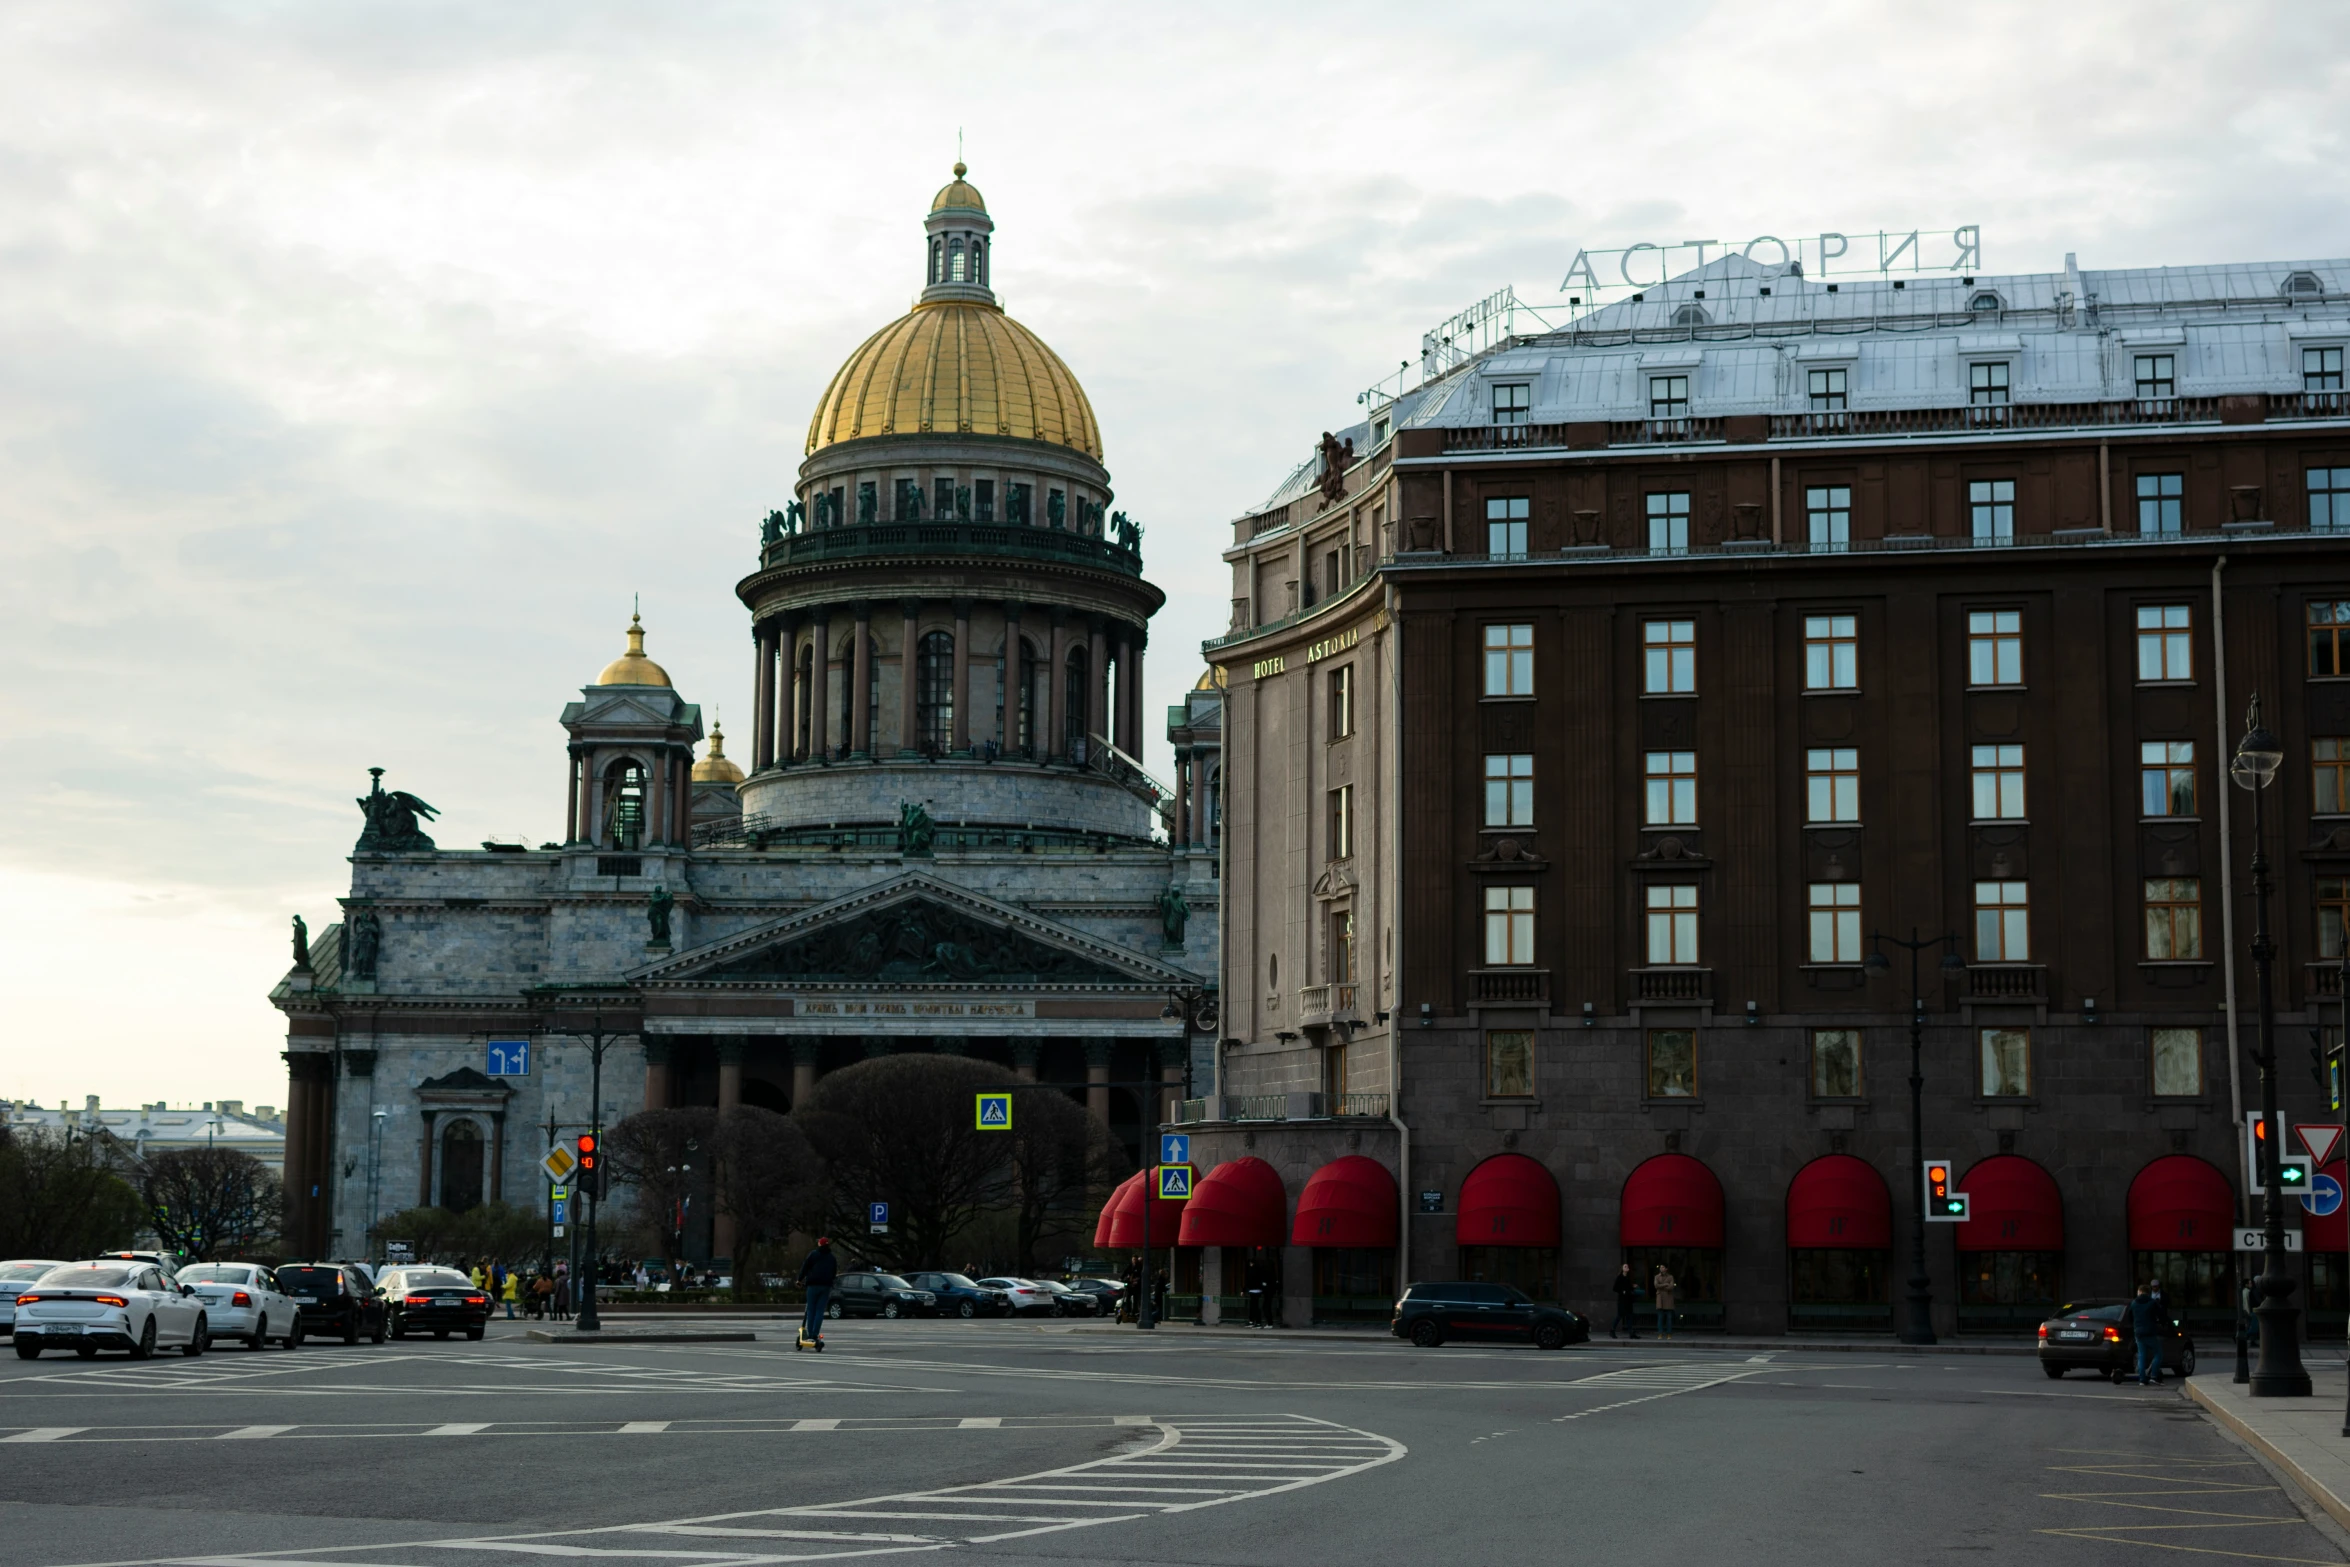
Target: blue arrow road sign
(1174, 1148)
(2323, 1197)
(509, 1058)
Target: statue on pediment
(657, 911)
(391, 819)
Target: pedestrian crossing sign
(1174, 1182)
(995, 1112)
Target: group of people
(539, 1295)
(1662, 1290)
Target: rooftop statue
(657, 910)
(916, 831)
(1174, 914)
(362, 941)
(301, 943)
(391, 819)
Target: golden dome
(956, 366)
(958, 194)
(1211, 680)
(632, 668)
(715, 768)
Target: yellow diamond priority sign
(559, 1162)
(995, 1112)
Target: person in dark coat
(817, 1271)
(1627, 1290)
(2146, 1322)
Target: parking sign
(877, 1217)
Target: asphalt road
(1020, 1443)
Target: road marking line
(44, 1434)
(1133, 1420)
(644, 1427)
(815, 1425)
(253, 1431)
(459, 1428)
(979, 1423)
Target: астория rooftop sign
(1818, 257)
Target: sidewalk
(1792, 1344)
(2302, 1437)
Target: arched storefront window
(624, 806)
(1079, 714)
(934, 693)
(461, 1166)
(1839, 1247)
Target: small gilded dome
(1211, 680)
(715, 768)
(958, 193)
(632, 668)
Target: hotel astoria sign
(1648, 263)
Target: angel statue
(391, 819)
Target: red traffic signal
(587, 1150)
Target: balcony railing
(1191, 1111)
(1313, 998)
(1672, 984)
(1510, 985)
(2006, 981)
(956, 538)
(2323, 978)
(1256, 1107)
(1362, 1104)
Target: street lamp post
(1917, 1325)
(598, 1040)
(375, 1146)
(2280, 1373)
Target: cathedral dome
(632, 668)
(716, 767)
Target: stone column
(1055, 743)
(763, 699)
(497, 1156)
(1121, 699)
(1130, 664)
(1014, 692)
(1097, 1079)
(820, 686)
(730, 1097)
(860, 669)
(786, 700)
(424, 1163)
(571, 822)
(909, 661)
(1024, 1054)
(657, 1076)
(961, 739)
(804, 1052)
(657, 802)
(1097, 679)
(1180, 827)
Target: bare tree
(485, 1232)
(666, 1155)
(1061, 1155)
(900, 1130)
(65, 1195)
(211, 1202)
(770, 1182)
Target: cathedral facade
(945, 841)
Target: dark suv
(879, 1295)
(1429, 1314)
(959, 1297)
(333, 1298)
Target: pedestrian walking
(2146, 1323)
(1159, 1297)
(480, 1277)
(1252, 1276)
(510, 1291)
(817, 1271)
(1627, 1290)
(1662, 1285)
(561, 1300)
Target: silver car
(14, 1276)
(242, 1301)
(109, 1304)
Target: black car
(333, 1298)
(1105, 1293)
(879, 1295)
(439, 1301)
(1073, 1302)
(2095, 1335)
(1430, 1314)
(959, 1297)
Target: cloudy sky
(358, 361)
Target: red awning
(1101, 1226)
(2181, 1203)
(1126, 1215)
(1838, 1203)
(1509, 1200)
(1347, 1202)
(2330, 1232)
(1672, 1200)
(2012, 1205)
(1241, 1202)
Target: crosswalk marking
(44, 1434)
(644, 1427)
(979, 1423)
(243, 1432)
(815, 1425)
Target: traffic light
(591, 1168)
(2293, 1173)
(1943, 1205)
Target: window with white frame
(1831, 785)
(1668, 522)
(1509, 660)
(1509, 789)
(1835, 922)
(1999, 782)
(1669, 664)
(1831, 652)
(1672, 788)
(1505, 526)
(1509, 927)
(1672, 924)
(1827, 516)
(2003, 922)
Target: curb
(1381, 1335)
(2334, 1506)
(542, 1336)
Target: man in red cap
(817, 1271)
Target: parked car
(242, 1301)
(1105, 1293)
(1068, 1302)
(439, 1301)
(14, 1276)
(960, 1297)
(1025, 1295)
(334, 1298)
(109, 1304)
(1431, 1314)
(879, 1295)
(2095, 1335)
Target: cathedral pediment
(913, 930)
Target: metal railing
(1191, 1111)
(920, 538)
(1672, 984)
(1510, 984)
(1256, 1107)
(2006, 981)
(1362, 1104)
(761, 833)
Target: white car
(1024, 1295)
(14, 1276)
(89, 1306)
(242, 1301)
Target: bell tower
(632, 757)
(961, 241)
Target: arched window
(1079, 709)
(979, 261)
(934, 693)
(805, 704)
(461, 1166)
(955, 260)
(624, 806)
(936, 252)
